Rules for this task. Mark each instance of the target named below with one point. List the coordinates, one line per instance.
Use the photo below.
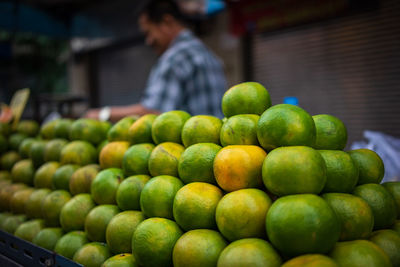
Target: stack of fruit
(265, 186)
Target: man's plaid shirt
(186, 77)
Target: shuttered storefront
(348, 67)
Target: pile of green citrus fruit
(265, 186)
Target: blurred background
(338, 57)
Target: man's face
(156, 34)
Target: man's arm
(118, 112)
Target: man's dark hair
(156, 9)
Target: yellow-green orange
(25, 147)
(104, 186)
(311, 260)
(89, 130)
(97, 220)
(359, 253)
(44, 175)
(23, 172)
(47, 130)
(354, 214)
(249, 252)
(33, 207)
(112, 154)
(5, 128)
(48, 237)
(196, 163)
(201, 129)
(78, 152)
(371, 168)
(92, 254)
(136, 159)
(52, 205)
(129, 191)
(140, 130)
(8, 160)
(36, 152)
(11, 223)
(294, 170)
(121, 260)
(52, 150)
(6, 193)
(341, 171)
(19, 199)
(28, 127)
(164, 159)
(302, 224)
(167, 127)
(81, 180)
(69, 243)
(381, 202)
(237, 167)
(154, 240)
(62, 127)
(240, 130)
(195, 204)
(394, 189)
(331, 132)
(396, 226)
(245, 98)
(15, 140)
(389, 241)
(28, 230)
(241, 214)
(62, 176)
(120, 230)
(74, 212)
(285, 125)
(120, 130)
(157, 197)
(198, 248)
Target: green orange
(6, 193)
(237, 167)
(396, 226)
(120, 130)
(74, 212)
(201, 129)
(36, 152)
(52, 150)
(121, 260)
(164, 159)
(381, 202)
(47, 130)
(15, 140)
(92, 254)
(97, 220)
(241, 214)
(69, 243)
(355, 215)
(89, 130)
(8, 159)
(23, 172)
(4, 144)
(154, 240)
(245, 98)
(341, 171)
(394, 189)
(81, 180)
(11, 223)
(198, 248)
(33, 207)
(140, 130)
(79, 153)
(62, 128)
(104, 187)
(44, 175)
(120, 229)
(112, 154)
(63, 175)
(359, 253)
(5, 128)
(240, 130)
(331, 132)
(371, 168)
(302, 224)
(25, 147)
(28, 230)
(195, 204)
(48, 237)
(294, 170)
(389, 241)
(311, 260)
(196, 163)
(28, 127)
(52, 205)
(129, 191)
(253, 252)
(19, 199)
(167, 127)
(157, 197)
(136, 159)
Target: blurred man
(187, 76)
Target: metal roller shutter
(348, 67)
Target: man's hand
(92, 114)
